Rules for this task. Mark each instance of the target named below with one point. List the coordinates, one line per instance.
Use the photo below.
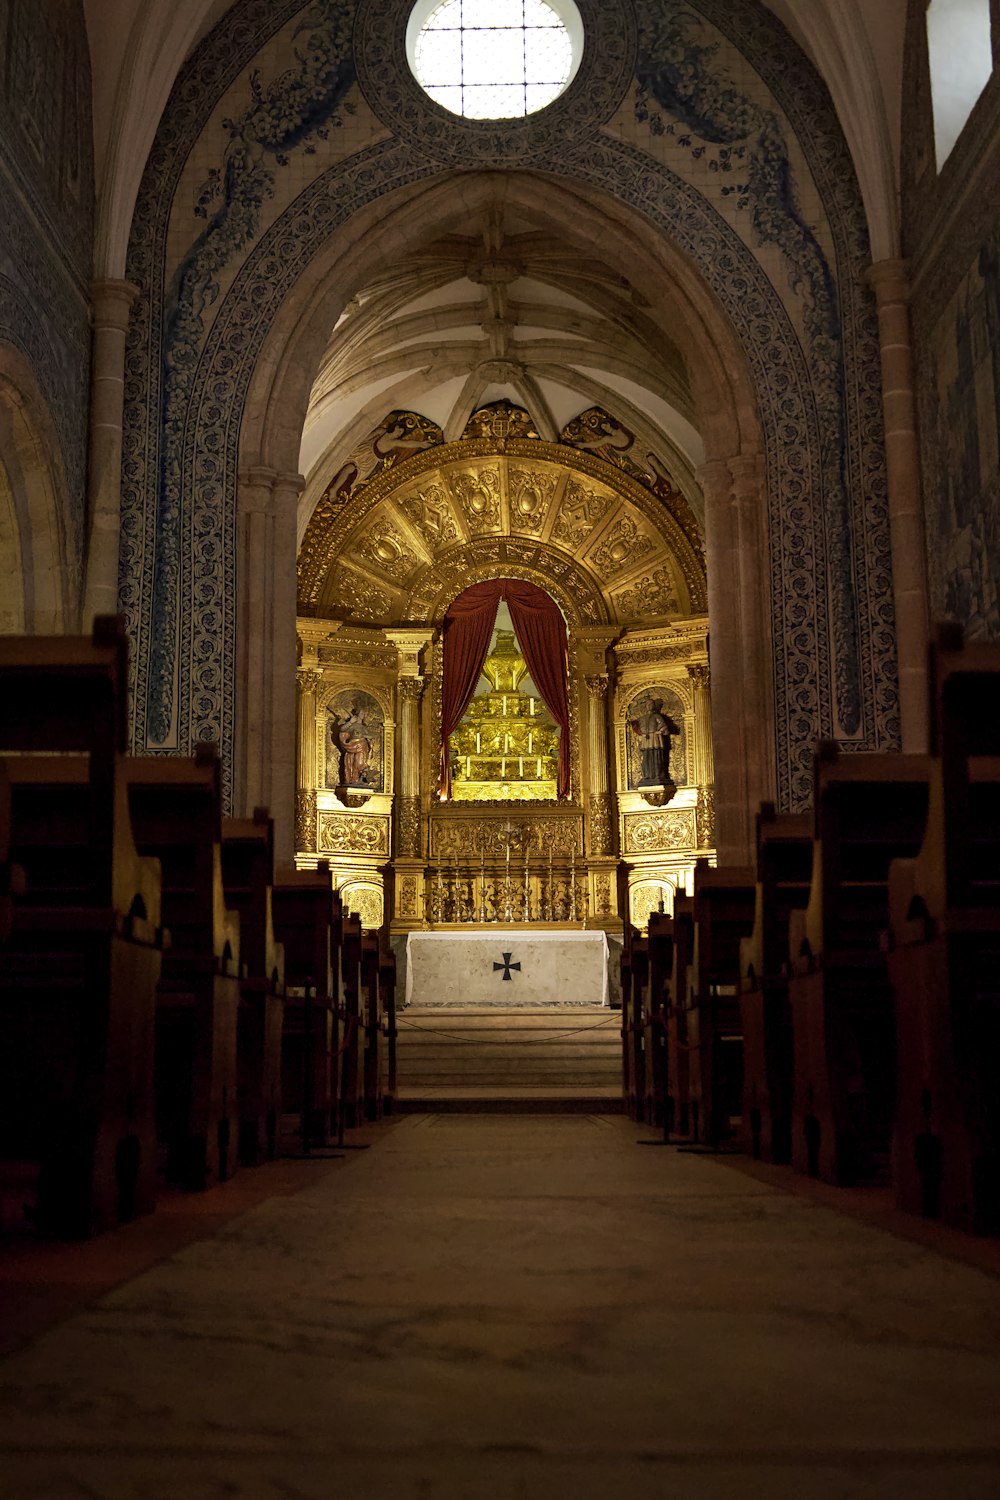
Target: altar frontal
(506, 967)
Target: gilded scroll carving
(600, 823)
(366, 901)
(530, 492)
(624, 545)
(579, 512)
(408, 826)
(655, 594)
(706, 817)
(470, 838)
(305, 822)
(340, 833)
(385, 548)
(478, 491)
(653, 833)
(431, 514)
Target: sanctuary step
(516, 1058)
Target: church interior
(499, 668)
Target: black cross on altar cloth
(506, 966)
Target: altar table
(544, 968)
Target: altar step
(513, 1059)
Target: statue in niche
(355, 741)
(652, 729)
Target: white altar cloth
(467, 968)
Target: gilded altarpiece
(376, 577)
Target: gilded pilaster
(599, 806)
(307, 680)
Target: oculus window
(494, 59)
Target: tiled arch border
(798, 575)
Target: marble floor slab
(517, 1307)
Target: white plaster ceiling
(138, 46)
(450, 329)
(500, 310)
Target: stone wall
(952, 237)
(47, 219)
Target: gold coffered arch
(607, 549)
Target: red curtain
(541, 634)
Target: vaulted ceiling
(500, 307)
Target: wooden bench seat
(869, 810)
(679, 1115)
(175, 806)
(81, 961)
(723, 908)
(655, 1050)
(248, 878)
(307, 920)
(784, 869)
(944, 956)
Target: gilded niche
(355, 748)
(640, 716)
(507, 746)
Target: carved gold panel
(429, 509)
(622, 548)
(367, 901)
(529, 493)
(581, 508)
(477, 491)
(655, 833)
(344, 833)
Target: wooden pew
(944, 956)
(352, 1075)
(679, 1114)
(722, 916)
(387, 988)
(633, 1073)
(307, 919)
(784, 868)
(375, 1054)
(869, 810)
(660, 949)
(638, 985)
(247, 878)
(175, 806)
(79, 969)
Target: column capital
(597, 684)
(715, 477)
(890, 280)
(111, 302)
(700, 674)
(308, 679)
(411, 689)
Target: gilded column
(599, 806)
(408, 803)
(307, 681)
(112, 303)
(891, 283)
(704, 753)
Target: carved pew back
(724, 899)
(248, 878)
(176, 814)
(869, 810)
(784, 867)
(660, 945)
(79, 969)
(944, 956)
(678, 1047)
(306, 916)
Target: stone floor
(517, 1307)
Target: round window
(494, 59)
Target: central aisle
(504, 1308)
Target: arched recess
(786, 380)
(727, 415)
(33, 501)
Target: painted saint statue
(353, 737)
(653, 730)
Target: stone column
(112, 302)
(280, 692)
(408, 795)
(704, 756)
(599, 806)
(736, 546)
(267, 583)
(307, 681)
(891, 283)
